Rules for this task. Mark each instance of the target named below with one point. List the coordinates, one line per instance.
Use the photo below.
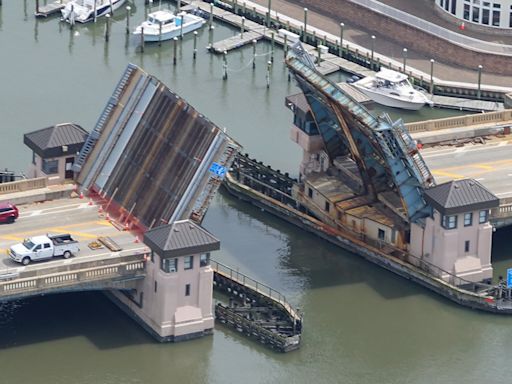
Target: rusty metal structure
(152, 156)
(386, 156)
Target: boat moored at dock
(392, 89)
(83, 11)
(165, 25)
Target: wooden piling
(254, 54)
(269, 65)
(195, 45)
(175, 50)
(160, 34)
(210, 18)
(272, 46)
(128, 9)
(142, 39)
(225, 65)
(181, 27)
(107, 27)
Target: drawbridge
(386, 155)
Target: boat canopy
(161, 17)
(391, 76)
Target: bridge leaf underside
(154, 153)
(384, 152)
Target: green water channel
(362, 324)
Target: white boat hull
(153, 34)
(73, 12)
(390, 101)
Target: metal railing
(396, 253)
(255, 285)
(23, 185)
(433, 29)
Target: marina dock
(50, 9)
(347, 57)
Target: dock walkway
(51, 8)
(356, 59)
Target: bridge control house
(174, 302)
(54, 150)
(458, 236)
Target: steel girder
(384, 152)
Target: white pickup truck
(44, 247)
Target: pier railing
(255, 285)
(389, 249)
(461, 121)
(23, 185)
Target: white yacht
(82, 11)
(164, 25)
(392, 89)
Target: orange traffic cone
(136, 239)
(90, 202)
(81, 195)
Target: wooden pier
(234, 42)
(51, 8)
(256, 310)
(356, 60)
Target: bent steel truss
(384, 152)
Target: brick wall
(414, 39)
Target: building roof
(56, 140)
(297, 101)
(459, 196)
(181, 238)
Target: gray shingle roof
(180, 238)
(48, 142)
(299, 101)
(459, 196)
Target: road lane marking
(438, 172)
(483, 166)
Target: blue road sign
(218, 170)
(509, 278)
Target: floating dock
(50, 9)
(237, 41)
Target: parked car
(43, 248)
(8, 213)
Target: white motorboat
(164, 25)
(82, 11)
(392, 89)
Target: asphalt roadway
(489, 163)
(73, 216)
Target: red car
(8, 213)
